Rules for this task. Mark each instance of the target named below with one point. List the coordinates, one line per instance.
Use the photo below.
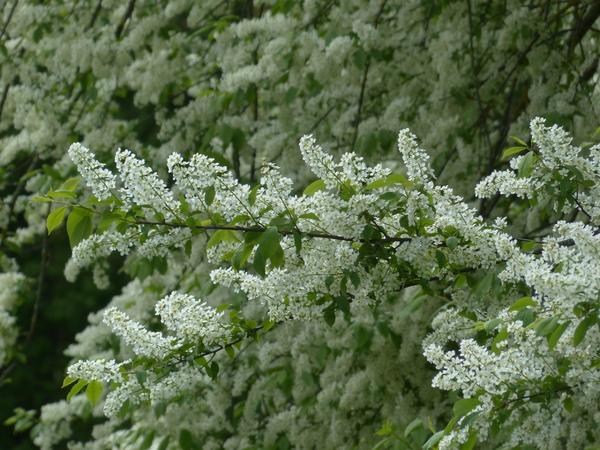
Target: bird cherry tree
(515, 335)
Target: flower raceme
(516, 324)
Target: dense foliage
(253, 290)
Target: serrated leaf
(55, 218)
(70, 184)
(460, 281)
(259, 262)
(41, 199)
(209, 195)
(186, 440)
(312, 216)
(269, 247)
(76, 388)
(527, 164)
(94, 391)
(164, 443)
(511, 151)
(390, 180)
(221, 236)
(582, 329)
(414, 425)
(385, 430)
(452, 242)
(464, 406)
(61, 194)
(547, 326)
(521, 303)
(433, 440)
(79, 225)
(68, 381)
(556, 334)
(312, 188)
(148, 440)
(519, 141)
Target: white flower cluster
(191, 319)
(184, 73)
(428, 231)
(143, 187)
(11, 283)
(95, 247)
(554, 171)
(151, 344)
(99, 179)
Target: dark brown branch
(363, 84)
(36, 305)
(125, 18)
(40, 284)
(95, 14)
(583, 26)
(9, 18)
(262, 229)
(3, 99)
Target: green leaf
(79, 225)
(312, 188)
(312, 216)
(527, 164)
(221, 236)
(148, 440)
(55, 218)
(70, 185)
(522, 303)
(452, 242)
(464, 406)
(508, 152)
(269, 247)
(164, 443)
(394, 178)
(252, 195)
(212, 370)
(61, 194)
(385, 430)
(491, 325)
(241, 256)
(414, 425)
(209, 195)
(441, 258)
(260, 261)
(94, 391)
(329, 316)
(568, 404)
(76, 388)
(68, 381)
(470, 443)
(186, 440)
(41, 199)
(433, 440)
(547, 326)
(460, 281)
(519, 141)
(582, 329)
(556, 334)
(354, 279)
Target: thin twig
(125, 18)
(3, 99)
(9, 18)
(95, 14)
(310, 234)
